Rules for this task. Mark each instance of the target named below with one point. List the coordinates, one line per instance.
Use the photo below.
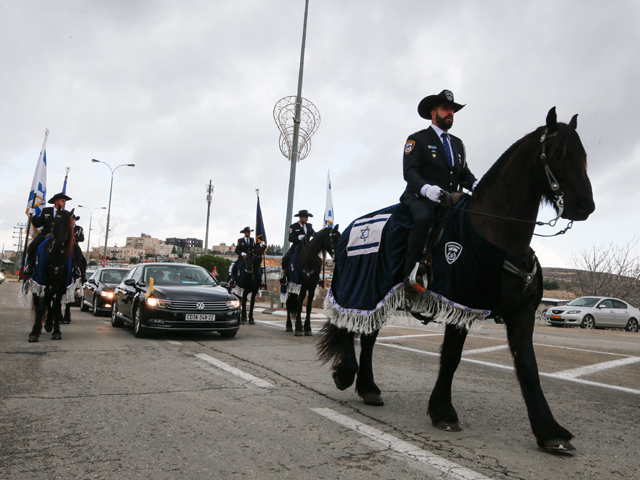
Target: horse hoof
(448, 426)
(560, 446)
(289, 329)
(48, 327)
(298, 334)
(56, 336)
(33, 338)
(340, 385)
(252, 322)
(307, 333)
(374, 399)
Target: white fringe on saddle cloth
(30, 286)
(430, 304)
(292, 289)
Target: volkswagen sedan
(595, 312)
(170, 296)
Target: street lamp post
(106, 235)
(90, 220)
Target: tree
(274, 250)
(208, 262)
(550, 285)
(609, 270)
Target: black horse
(53, 277)
(547, 165)
(308, 260)
(249, 281)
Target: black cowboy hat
(303, 213)
(246, 229)
(432, 101)
(59, 196)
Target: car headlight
(572, 312)
(106, 294)
(157, 302)
(233, 303)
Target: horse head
(561, 169)
(62, 237)
(330, 240)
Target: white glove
(300, 237)
(475, 184)
(432, 192)
(262, 244)
(32, 212)
(244, 254)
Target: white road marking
(446, 469)
(586, 370)
(508, 367)
(485, 350)
(173, 342)
(235, 371)
(398, 337)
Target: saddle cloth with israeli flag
(367, 283)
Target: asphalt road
(101, 404)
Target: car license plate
(556, 316)
(200, 317)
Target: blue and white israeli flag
(365, 235)
(328, 209)
(38, 193)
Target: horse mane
(565, 140)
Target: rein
(558, 199)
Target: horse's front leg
(301, 297)
(365, 385)
(440, 409)
(253, 303)
(38, 313)
(549, 434)
(56, 309)
(243, 314)
(307, 320)
(291, 309)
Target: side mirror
(92, 281)
(130, 282)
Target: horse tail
(332, 344)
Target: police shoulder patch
(409, 146)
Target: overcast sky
(186, 91)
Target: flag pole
(33, 202)
(264, 255)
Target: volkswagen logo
(200, 305)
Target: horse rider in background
(243, 247)
(297, 233)
(44, 222)
(434, 164)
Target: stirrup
(419, 285)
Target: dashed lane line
(484, 350)
(234, 371)
(173, 342)
(400, 337)
(443, 468)
(598, 367)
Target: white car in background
(595, 312)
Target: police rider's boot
(283, 279)
(416, 281)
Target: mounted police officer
(243, 247)
(434, 164)
(44, 222)
(297, 233)
(79, 261)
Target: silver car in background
(595, 312)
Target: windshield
(113, 276)
(584, 302)
(178, 275)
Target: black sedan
(170, 296)
(97, 292)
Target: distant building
(125, 253)
(222, 248)
(145, 242)
(186, 243)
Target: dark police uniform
(295, 230)
(243, 247)
(80, 262)
(44, 222)
(425, 162)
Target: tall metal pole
(113, 170)
(209, 198)
(296, 134)
(90, 220)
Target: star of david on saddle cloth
(367, 283)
